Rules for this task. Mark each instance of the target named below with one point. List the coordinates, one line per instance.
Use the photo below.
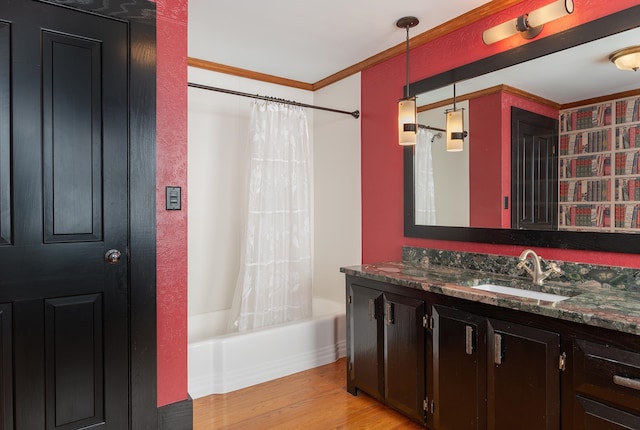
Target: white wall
(218, 125)
(337, 188)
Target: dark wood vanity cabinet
(454, 364)
(386, 350)
(493, 374)
(606, 382)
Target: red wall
(485, 161)
(382, 184)
(171, 231)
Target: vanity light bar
(528, 25)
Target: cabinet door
(365, 357)
(459, 369)
(523, 377)
(404, 355)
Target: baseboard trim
(176, 416)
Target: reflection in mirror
(441, 177)
(546, 86)
(575, 77)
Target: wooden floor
(315, 399)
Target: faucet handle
(553, 268)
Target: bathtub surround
(220, 362)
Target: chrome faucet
(536, 273)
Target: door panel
(5, 134)
(73, 349)
(405, 354)
(6, 383)
(72, 144)
(365, 355)
(523, 377)
(459, 360)
(68, 142)
(534, 171)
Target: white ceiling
(568, 76)
(307, 40)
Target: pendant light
(455, 126)
(407, 123)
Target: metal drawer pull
(469, 340)
(372, 309)
(497, 346)
(627, 382)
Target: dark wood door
(365, 356)
(63, 206)
(523, 377)
(404, 354)
(459, 368)
(534, 171)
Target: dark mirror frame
(608, 242)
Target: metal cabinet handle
(372, 309)
(497, 348)
(388, 313)
(468, 345)
(623, 381)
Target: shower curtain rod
(428, 127)
(355, 113)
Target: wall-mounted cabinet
(599, 167)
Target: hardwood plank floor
(310, 400)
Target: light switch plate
(173, 198)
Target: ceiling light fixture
(626, 58)
(407, 124)
(530, 24)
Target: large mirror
(553, 73)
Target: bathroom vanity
(422, 340)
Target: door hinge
(427, 322)
(349, 299)
(425, 404)
(562, 363)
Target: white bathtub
(221, 362)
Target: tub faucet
(536, 272)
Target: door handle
(497, 348)
(388, 313)
(468, 345)
(112, 256)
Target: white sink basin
(521, 293)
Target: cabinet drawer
(608, 374)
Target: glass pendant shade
(407, 128)
(455, 130)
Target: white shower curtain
(425, 204)
(274, 283)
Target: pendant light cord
(407, 60)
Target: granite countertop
(596, 305)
